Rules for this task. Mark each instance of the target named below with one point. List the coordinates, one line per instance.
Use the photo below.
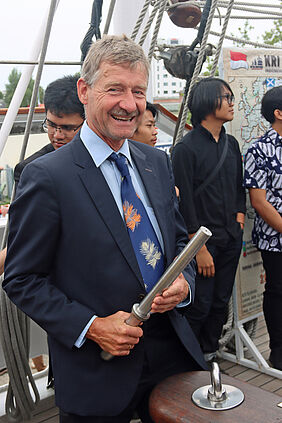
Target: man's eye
(140, 93)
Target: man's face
(116, 102)
(62, 129)
(225, 112)
(147, 131)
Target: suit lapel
(152, 185)
(94, 182)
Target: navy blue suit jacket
(69, 257)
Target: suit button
(140, 297)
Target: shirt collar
(98, 149)
(274, 136)
(207, 132)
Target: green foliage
(244, 34)
(274, 36)
(208, 66)
(13, 80)
(1, 95)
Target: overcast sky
(21, 21)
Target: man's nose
(155, 132)
(128, 102)
(58, 134)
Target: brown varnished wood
(171, 402)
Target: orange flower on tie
(132, 218)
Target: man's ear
(278, 114)
(82, 91)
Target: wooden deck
(255, 377)
(48, 413)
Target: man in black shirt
(207, 166)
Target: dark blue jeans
(207, 314)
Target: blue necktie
(143, 237)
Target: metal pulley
(180, 61)
(217, 396)
(185, 14)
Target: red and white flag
(238, 60)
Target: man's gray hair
(113, 49)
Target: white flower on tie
(150, 252)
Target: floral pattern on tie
(132, 218)
(151, 252)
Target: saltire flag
(270, 82)
(238, 60)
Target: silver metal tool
(141, 312)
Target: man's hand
(113, 335)
(205, 263)
(171, 296)
(240, 217)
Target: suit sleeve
(34, 233)
(17, 174)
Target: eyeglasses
(229, 98)
(49, 126)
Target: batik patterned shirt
(263, 170)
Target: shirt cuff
(187, 300)
(81, 339)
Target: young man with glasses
(207, 166)
(64, 117)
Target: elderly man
(97, 248)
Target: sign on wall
(250, 73)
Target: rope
(196, 71)
(221, 39)
(15, 343)
(140, 19)
(160, 6)
(157, 27)
(15, 338)
(244, 3)
(250, 17)
(94, 28)
(227, 331)
(148, 24)
(248, 9)
(252, 43)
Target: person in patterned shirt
(263, 177)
